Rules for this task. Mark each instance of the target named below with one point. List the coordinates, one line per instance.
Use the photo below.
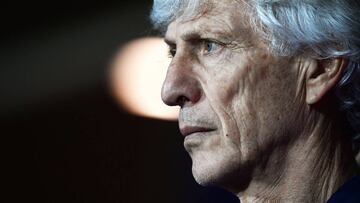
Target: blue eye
(210, 46)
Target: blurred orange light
(137, 75)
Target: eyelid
(171, 50)
(209, 40)
(215, 41)
(202, 40)
(196, 42)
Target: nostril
(182, 100)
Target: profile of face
(238, 101)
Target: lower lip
(195, 138)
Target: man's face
(236, 98)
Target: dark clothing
(348, 193)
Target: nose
(180, 86)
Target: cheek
(268, 107)
(227, 87)
(248, 97)
(256, 103)
(248, 123)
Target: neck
(311, 170)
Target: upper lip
(187, 130)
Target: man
(269, 94)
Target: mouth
(188, 130)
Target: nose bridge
(180, 85)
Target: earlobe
(323, 76)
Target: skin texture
(256, 124)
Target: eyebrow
(169, 42)
(186, 37)
(193, 35)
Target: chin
(205, 176)
(214, 170)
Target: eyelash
(206, 42)
(203, 43)
(171, 52)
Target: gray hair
(321, 28)
(165, 11)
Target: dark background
(64, 137)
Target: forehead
(226, 17)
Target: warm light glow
(137, 75)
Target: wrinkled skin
(247, 104)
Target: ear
(322, 77)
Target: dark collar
(348, 193)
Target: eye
(210, 47)
(171, 52)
